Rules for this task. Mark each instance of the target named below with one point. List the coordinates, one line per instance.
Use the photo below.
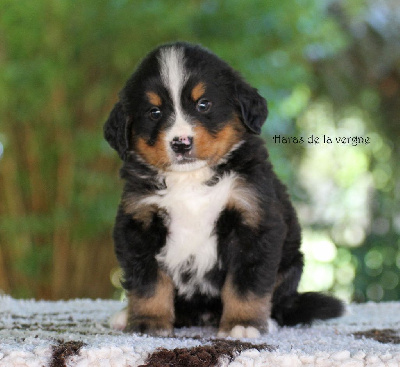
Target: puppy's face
(183, 109)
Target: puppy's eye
(155, 113)
(203, 105)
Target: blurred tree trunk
(56, 202)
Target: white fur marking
(190, 166)
(173, 73)
(119, 320)
(240, 331)
(273, 326)
(193, 209)
(174, 76)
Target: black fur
(115, 130)
(255, 257)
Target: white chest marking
(193, 209)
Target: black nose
(181, 145)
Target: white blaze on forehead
(173, 73)
(174, 76)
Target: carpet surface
(76, 333)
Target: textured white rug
(76, 333)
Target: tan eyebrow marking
(198, 91)
(154, 98)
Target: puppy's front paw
(119, 320)
(150, 325)
(240, 331)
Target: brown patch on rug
(63, 351)
(202, 356)
(385, 336)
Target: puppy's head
(182, 109)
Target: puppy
(205, 232)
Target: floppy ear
(115, 130)
(253, 107)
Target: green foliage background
(326, 68)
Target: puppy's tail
(303, 308)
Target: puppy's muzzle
(182, 146)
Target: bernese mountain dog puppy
(205, 232)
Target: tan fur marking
(214, 147)
(198, 91)
(142, 212)
(154, 98)
(244, 199)
(157, 154)
(246, 311)
(158, 309)
(145, 214)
